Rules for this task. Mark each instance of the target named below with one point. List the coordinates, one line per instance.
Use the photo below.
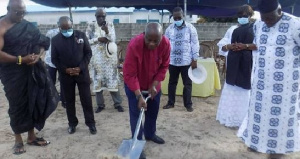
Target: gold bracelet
(247, 46)
(19, 60)
(226, 47)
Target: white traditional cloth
(233, 105)
(272, 122)
(50, 34)
(104, 69)
(226, 40)
(234, 101)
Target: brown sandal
(37, 142)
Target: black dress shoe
(63, 104)
(143, 155)
(189, 109)
(251, 149)
(93, 130)
(99, 109)
(275, 156)
(120, 108)
(72, 129)
(168, 106)
(156, 139)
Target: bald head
(153, 28)
(153, 35)
(65, 23)
(16, 10)
(100, 10)
(100, 16)
(64, 19)
(16, 3)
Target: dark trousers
(174, 72)
(83, 83)
(52, 71)
(150, 115)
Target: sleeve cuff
(108, 37)
(195, 58)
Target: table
(207, 88)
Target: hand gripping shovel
(132, 148)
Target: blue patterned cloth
(272, 123)
(184, 44)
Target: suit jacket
(71, 52)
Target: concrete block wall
(45, 27)
(212, 31)
(125, 31)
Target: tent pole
(70, 11)
(185, 9)
(129, 18)
(148, 16)
(162, 16)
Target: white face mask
(243, 20)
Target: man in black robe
(71, 54)
(239, 60)
(29, 90)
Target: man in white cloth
(234, 101)
(105, 71)
(272, 123)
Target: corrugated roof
(41, 8)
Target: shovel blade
(130, 151)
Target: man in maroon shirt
(146, 63)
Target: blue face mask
(243, 20)
(67, 33)
(178, 22)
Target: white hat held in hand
(111, 48)
(197, 75)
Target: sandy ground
(195, 135)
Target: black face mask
(103, 23)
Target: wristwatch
(247, 46)
(138, 96)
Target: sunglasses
(65, 31)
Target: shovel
(133, 148)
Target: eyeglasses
(20, 13)
(65, 31)
(100, 16)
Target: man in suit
(71, 54)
